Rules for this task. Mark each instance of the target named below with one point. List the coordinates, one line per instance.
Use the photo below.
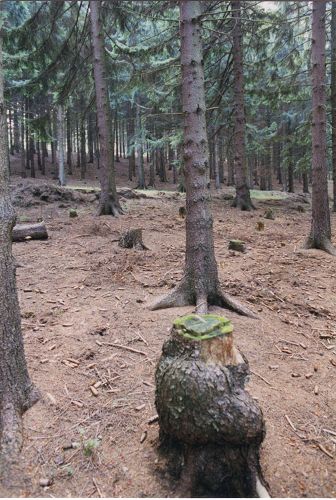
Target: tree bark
(23, 166)
(139, 149)
(109, 203)
(333, 97)
(69, 144)
(200, 284)
(17, 393)
(25, 232)
(60, 134)
(320, 234)
(16, 129)
(243, 198)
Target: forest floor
(84, 305)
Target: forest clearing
(167, 259)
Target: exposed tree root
(228, 302)
(109, 207)
(11, 432)
(11, 438)
(324, 245)
(182, 296)
(177, 298)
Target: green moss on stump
(202, 327)
(73, 213)
(237, 245)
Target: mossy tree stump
(237, 245)
(210, 427)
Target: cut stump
(210, 427)
(132, 239)
(237, 245)
(25, 232)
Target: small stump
(237, 245)
(132, 239)
(210, 427)
(73, 213)
(269, 214)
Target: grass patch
(267, 195)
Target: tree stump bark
(132, 239)
(25, 232)
(210, 427)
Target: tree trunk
(139, 150)
(243, 198)
(69, 144)
(90, 136)
(333, 97)
(211, 429)
(200, 284)
(23, 155)
(39, 160)
(305, 182)
(31, 155)
(109, 203)
(320, 234)
(10, 129)
(53, 144)
(17, 393)
(60, 134)
(230, 166)
(16, 129)
(216, 162)
(27, 134)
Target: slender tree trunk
(109, 203)
(69, 144)
(216, 162)
(10, 128)
(320, 234)
(333, 97)
(31, 154)
(139, 149)
(17, 393)
(243, 198)
(230, 165)
(83, 148)
(39, 160)
(23, 155)
(60, 137)
(90, 136)
(16, 128)
(27, 135)
(200, 284)
(152, 169)
(305, 182)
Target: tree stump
(132, 239)
(25, 232)
(210, 427)
(237, 245)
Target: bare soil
(85, 321)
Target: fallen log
(26, 232)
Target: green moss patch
(203, 326)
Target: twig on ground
(124, 347)
(262, 378)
